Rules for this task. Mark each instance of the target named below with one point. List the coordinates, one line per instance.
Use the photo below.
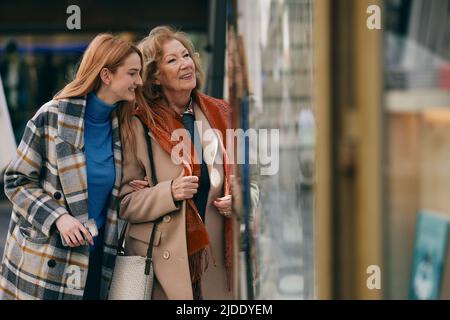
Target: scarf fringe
(198, 264)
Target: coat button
(167, 218)
(57, 195)
(166, 255)
(51, 263)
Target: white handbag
(133, 275)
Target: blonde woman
(67, 171)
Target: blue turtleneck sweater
(98, 145)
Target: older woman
(193, 247)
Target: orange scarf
(165, 121)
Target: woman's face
(126, 79)
(176, 68)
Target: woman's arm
(22, 180)
(146, 204)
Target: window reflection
(277, 37)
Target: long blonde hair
(104, 51)
(150, 93)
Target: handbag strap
(156, 222)
(150, 153)
(148, 260)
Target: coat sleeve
(23, 181)
(147, 204)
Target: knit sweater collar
(97, 110)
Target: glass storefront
(277, 37)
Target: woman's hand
(184, 188)
(139, 184)
(224, 205)
(72, 231)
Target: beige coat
(170, 248)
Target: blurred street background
(360, 93)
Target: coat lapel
(111, 231)
(70, 155)
(71, 121)
(117, 150)
(218, 117)
(209, 140)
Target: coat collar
(71, 121)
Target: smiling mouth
(187, 76)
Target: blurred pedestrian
(13, 70)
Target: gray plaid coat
(45, 180)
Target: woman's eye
(186, 55)
(171, 60)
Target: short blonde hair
(152, 50)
